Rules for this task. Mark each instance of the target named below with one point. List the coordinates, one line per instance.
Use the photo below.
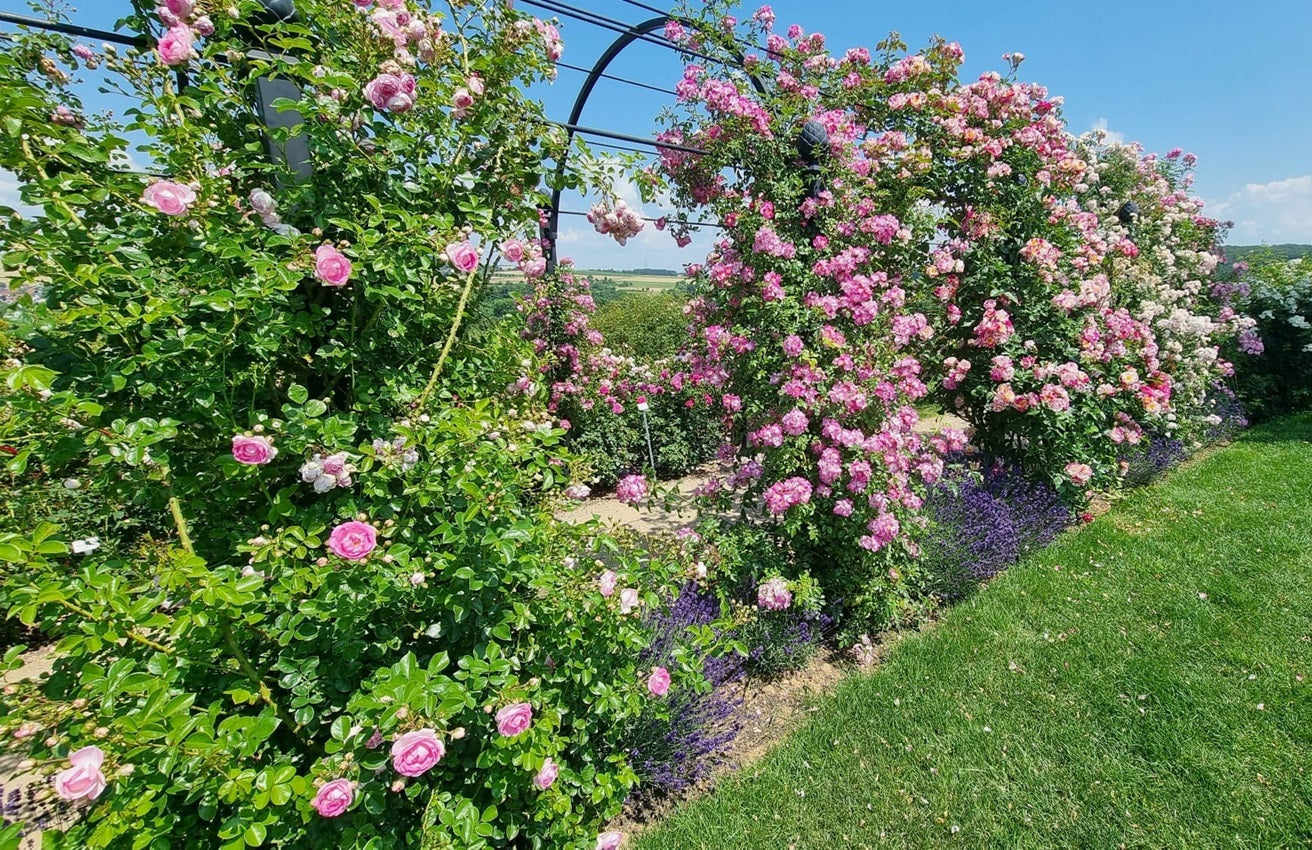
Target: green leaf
(298, 393)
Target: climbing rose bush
(894, 237)
(342, 615)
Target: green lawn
(1144, 682)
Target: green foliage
(1279, 296)
(223, 651)
(614, 445)
(649, 326)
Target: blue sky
(1229, 81)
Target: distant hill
(1235, 253)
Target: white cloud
(1275, 212)
(1111, 135)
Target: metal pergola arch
(635, 33)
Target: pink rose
(331, 266)
(628, 600)
(609, 840)
(334, 798)
(353, 540)
(253, 451)
(181, 8)
(512, 250)
(658, 683)
(168, 197)
(391, 92)
(1080, 473)
(203, 26)
(415, 753)
(83, 779)
(462, 255)
(535, 268)
(514, 719)
(461, 100)
(547, 775)
(607, 582)
(175, 47)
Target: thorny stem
(450, 337)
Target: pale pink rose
(461, 100)
(658, 683)
(331, 266)
(462, 255)
(415, 753)
(392, 92)
(353, 540)
(203, 26)
(512, 250)
(334, 798)
(606, 582)
(168, 197)
(181, 8)
(547, 775)
(83, 779)
(514, 719)
(175, 47)
(628, 600)
(253, 451)
(609, 840)
(475, 84)
(535, 268)
(1079, 473)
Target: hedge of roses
(342, 615)
(613, 402)
(895, 237)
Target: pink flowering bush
(896, 237)
(331, 607)
(598, 390)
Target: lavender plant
(984, 521)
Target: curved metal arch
(634, 33)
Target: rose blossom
(175, 47)
(462, 255)
(1080, 473)
(392, 92)
(631, 489)
(353, 540)
(658, 683)
(334, 798)
(84, 778)
(168, 197)
(607, 582)
(514, 719)
(512, 250)
(547, 775)
(415, 753)
(253, 451)
(331, 266)
(773, 594)
(609, 840)
(628, 600)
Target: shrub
(650, 326)
(344, 616)
(600, 391)
(893, 234)
(1274, 364)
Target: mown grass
(1144, 682)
